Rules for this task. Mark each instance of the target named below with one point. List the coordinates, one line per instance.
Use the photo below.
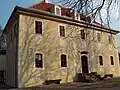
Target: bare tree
(2, 39)
(94, 8)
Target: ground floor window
(38, 60)
(101, 60)
(63, 60)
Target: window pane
(15, 30)
(82, 34)
(98, 37)
(63, 61)
(57, 11)
(111, 58)
(110, 39)
(38, 60)
(38, 27)
(100, 60)
(62, 31)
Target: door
(84, 62)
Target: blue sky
(7, 6)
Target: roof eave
(49, 14)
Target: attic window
(57, 10)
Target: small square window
(62, 31)
(38, 60)
(63, 61)
(38, 27)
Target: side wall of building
(11, 55)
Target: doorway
(84, 62)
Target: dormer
(76, 15)
(57, 10)
(46, 1)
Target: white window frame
(42, 60)
(35, 26)
(56, 11)
(59, 30)
(113, 60)
(66, 60)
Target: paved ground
(113, 84)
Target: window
(38, 60)
(57, 11)
(15, 30)
(82, 34)
(98, 37)
(11, 35)
(101, 60)
(63, 61)
(111, 59)
(38, 27)
(110, 38)
(62, 31)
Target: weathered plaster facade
(21, 71)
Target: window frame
(36, 26)
(11, 35)
(98, 37)
(62, 31)
(82, 34)
(65, 61)
(110, 38)
(55, 10)
(42, 65)
(59, 30)
(101, 60)
(111, 60)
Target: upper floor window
(110, 38)
(15, 30)
(111, 60)
(38, 60)
(11, 35)
(101, 60)
(99, 37)
(38, 27)
(82, 34)
(62, 31)
(63, 60)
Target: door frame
(81, 63)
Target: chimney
(46, 1)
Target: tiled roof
(43, 6)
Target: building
(48, 42)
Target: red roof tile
(43, 6)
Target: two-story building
(47, 42)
